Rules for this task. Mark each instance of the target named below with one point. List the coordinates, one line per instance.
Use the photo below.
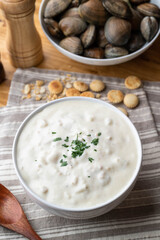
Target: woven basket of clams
(100, 29)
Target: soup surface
(77, 154)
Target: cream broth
(77, 154)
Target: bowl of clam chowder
(77, 157)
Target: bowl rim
(93, 60)
(98, 206)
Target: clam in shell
(93, 12)
(72, 26)
(72, 44)
(149, 28)
(117, 31)
(114, 52)
(135, 42)
(94, 53)
(53, 27)
(71, 12)
(89, 36)
(149, 9)
(135, 19)
(101, 39)
(117, 8)
(55, 7)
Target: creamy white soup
(77, 154)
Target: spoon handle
(12, 215)
(29, 232)
(23, 227)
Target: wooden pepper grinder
(23, 41)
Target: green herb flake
(83, 140)
(95, 141)
(65, 145)
(57, 139)
(88, 146)
(35, 160)
(63, 163)
(53, 132)
(75, 154)
(67, 139)
(89, 135)
(99, 134)
(95, 150)
(90, 159)
(64, 156)
(89, 176)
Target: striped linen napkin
(137, 217)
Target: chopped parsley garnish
(57, 139)
(65, 145)
(67, 139)
(35, 160)
(78, 147)
(63, 163)
(90, 159)
(95, 141)
(89, 176)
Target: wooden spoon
(12, 215)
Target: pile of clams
(102, 28)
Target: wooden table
(147, 66)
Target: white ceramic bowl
(88, 212)
(92, 61)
